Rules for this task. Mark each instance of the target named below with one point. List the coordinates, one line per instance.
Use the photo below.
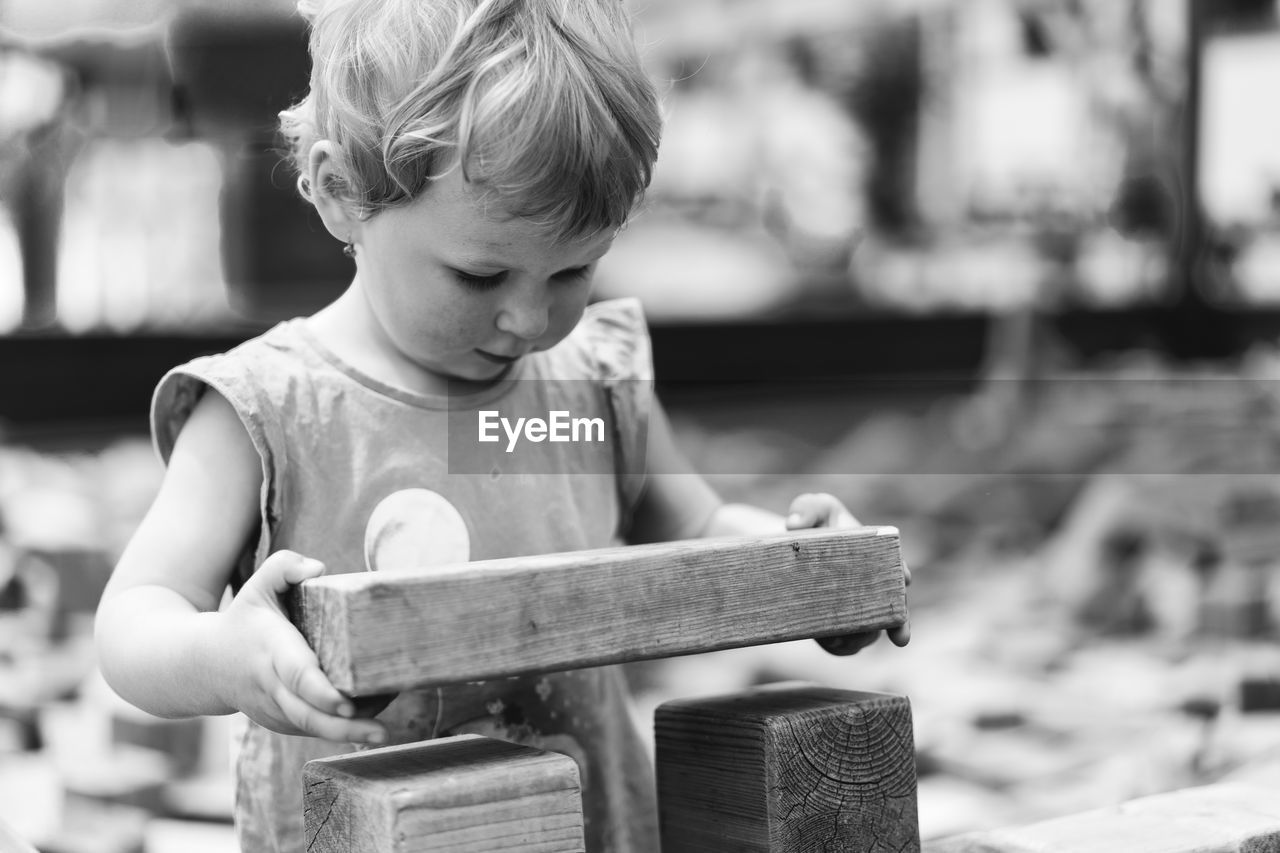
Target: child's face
(464, 295)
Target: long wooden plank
(464, 794)
(1222, 818)
(378, 633)
(787, 769)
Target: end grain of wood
(787, 770)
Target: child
(476, 157)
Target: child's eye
(573, 274)
(479, 282)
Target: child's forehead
(473, 216)
(517, 244)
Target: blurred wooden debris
(180, 741)
(29, 598)
(34, 676)
(130, 776)
(949, 805)
(96, 827)
(163, 835)
(206, 797)
(1260, 694)
(1227, 818)
(1236, 602)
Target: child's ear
(335, 209)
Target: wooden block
(376, 632)
(1223, 818)
(785, 770)
(463, 794)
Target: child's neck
(348, 329)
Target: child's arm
(679, 504)
(163, 645)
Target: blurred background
(1002, 273)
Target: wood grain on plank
(464, 794)
(376, 632)
(785, 770)
(1222, 818)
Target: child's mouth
(497, 359)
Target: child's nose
(526, 314)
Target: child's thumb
(805, 511)
(282, 570)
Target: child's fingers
(819, 510)
(308, 681)
(805, 511)
(848, 644)
(317, 723)
(811, 510)
(901, 635)
(294, 569)
(297, 572)
(280, 571)
(296, 666)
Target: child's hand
(819, 510)
(275, 677)
(823, 510)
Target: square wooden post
(787, 769)
(465, 794)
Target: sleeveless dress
(368, 477)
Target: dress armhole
(176, 396)
(618, 340)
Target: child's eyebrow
(494, 269)
(472, 259)
(484, 262)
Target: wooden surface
(785, 770)
(378, 632)
(1223, 818)
(465, 794)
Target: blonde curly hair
(543, 103)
